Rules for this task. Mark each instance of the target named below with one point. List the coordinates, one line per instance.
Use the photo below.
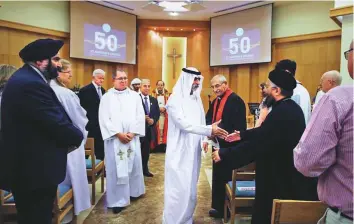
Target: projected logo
(240, 46)
(104, 42)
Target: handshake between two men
(222, 134)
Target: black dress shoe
(116, 210)
(134, 198)
(148, 174)
(215, 213)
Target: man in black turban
(271, 146)
(37, 134)
(43, 54)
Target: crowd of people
(302, 152)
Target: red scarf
(218, 114)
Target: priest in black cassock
(271, 147)
(231, 109)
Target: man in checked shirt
(326, 150)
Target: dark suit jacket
(36, 131)
(233, 117)
(90, 101)
(154, 114)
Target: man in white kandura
(76, 175)
(122, 122)
(183, 154)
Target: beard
(51, 72)
(159, 91)
(269, 102)
(194, 88)
(136, 89)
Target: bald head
(330, 80)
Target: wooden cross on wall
(174, 55)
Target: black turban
(282, 79)
(41, 49)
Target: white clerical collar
(39, 72)
(120, 91)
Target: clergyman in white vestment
(186, 128)
(122, 122)
(76, 175)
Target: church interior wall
(316, 48)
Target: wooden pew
(95, 168)
(232, 200)
(63, 204)
(299, 212)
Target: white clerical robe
(302, 97)
(183, 157)
(76, 175)
(122, 112)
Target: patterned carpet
(148, 209)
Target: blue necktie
(146, 106)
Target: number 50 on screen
(101, 42)
(245, 45)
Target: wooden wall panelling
(314, 54)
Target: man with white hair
(186, 128)
(329, 80)
(135, 85)
(90, 97)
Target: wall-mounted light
(168, 28)
(181, 29)
(193, 29)
(174, 13)
(154, 28)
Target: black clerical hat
(41, 49)
(282, 79)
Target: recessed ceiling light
(173, 6)
(174, 13)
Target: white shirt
(148, 100)
(302, 97)
(96, 87)
(39, 72)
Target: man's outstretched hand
(217, 131)
(233, 137)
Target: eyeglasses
(346, 54)
(121, 78)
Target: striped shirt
(326, 149)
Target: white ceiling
(212, 9)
